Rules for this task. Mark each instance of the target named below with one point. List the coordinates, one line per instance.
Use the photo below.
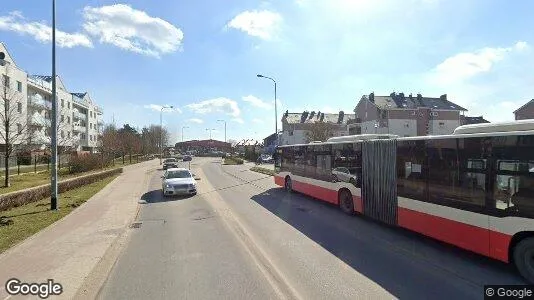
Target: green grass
(263, 170)
(233, 161)
(28, 180)
(26, 220)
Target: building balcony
(77, 115)
(39, 103)
(354, 121)
(39, 120)
(99, 110)
(79, 128)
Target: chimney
(287, 113)
(322, 117)
(318, 114)
(443, 97)
(304, 116)
(340, 117)
(372, 97)
(312, 114)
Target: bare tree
(320, 131)
(13, 122)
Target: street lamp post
(53, 130)
(183, 132)
(208, 129)
(224, 128)
(275, 107)
(161, 131)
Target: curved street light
(275, 106)
(161, 131)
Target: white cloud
(40, 31)
(195, 120)
(238, 120)
(221, 104)
(255, 101)
(465, 65)
(133, 30)
(257, 121)
(157, 107)
(262, 24)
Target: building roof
(401, 101)
(524, 105)
(79, 95)
(42, 77)
(312, 117)
(473, 120)
(249, 142)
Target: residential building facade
(525, 112)
(406, 116)
(79, 118)
(297, 126)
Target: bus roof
(521, 125)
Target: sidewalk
(69, 250)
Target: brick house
(526, 111)
(406, 115)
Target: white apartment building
(79, 118)
(296, 126)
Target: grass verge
(21, 222)
(233, 161)
(263, 170)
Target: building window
(62, 103)
(19, 107)
(62, 118)
(434, 114)
(68, 120)
(62, 133)
(68, 134)
(19, 86)
(19, 128)
(441, 123)
(68, 105)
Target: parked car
(170, 163)
(345, 175)
(178, 181)
(187, 158)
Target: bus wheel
(288, 185)
(524, 258)
(345, 202)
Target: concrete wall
(440, 127)
(403, 127)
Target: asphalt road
(242, 237)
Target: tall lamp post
(183, 127)
(210, 129)
(161, 131)
(224, 128)
(275, 107)
(53, 184)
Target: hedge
(18, 198)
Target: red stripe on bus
(358, 204)
(279, 180)
(463, 235)
(499, 243)
(315, 191)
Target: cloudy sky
(202, 57)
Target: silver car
(343, 174)
(178, 181)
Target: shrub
(88, 162)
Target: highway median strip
(263, 170)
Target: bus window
(411, 177)
(514, 187)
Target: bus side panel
(279, 180)
(464, 229)
(314, 190)
(358, 204)
(499, 243)
(502, 231)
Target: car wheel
(524, 258)
(346, 202)
(288, 185)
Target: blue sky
(203, 56)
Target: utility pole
(54, 195)
(161, 131)
(183, 132)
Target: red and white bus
(473, 188)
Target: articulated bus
(473, 189)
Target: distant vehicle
(170, 163)
(267, 159)
(178, 181)
(187, 158)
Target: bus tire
(524, 258)
(288, 185)
(345, 202)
